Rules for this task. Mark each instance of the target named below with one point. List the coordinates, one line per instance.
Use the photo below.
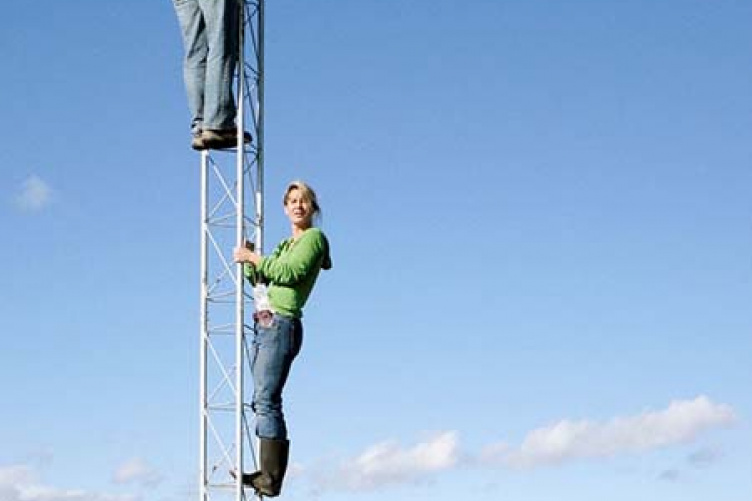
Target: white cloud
(681, 422)
(137, 471)
(388, 463)
(34, 194)
(20, 483)
(15, 474)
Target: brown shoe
(197, 142)
(222, 139)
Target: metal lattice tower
(231, 213)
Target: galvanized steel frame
(232, 211)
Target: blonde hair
(306, 192)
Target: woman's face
(298, 209)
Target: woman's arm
(289, 268)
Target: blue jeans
(272, 352)
(210, 39)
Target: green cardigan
(291, 271)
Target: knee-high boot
(274, 455)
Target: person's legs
(221, 18)
(193, 29)
(274, 349)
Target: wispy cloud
(20, 483)
(389, 463)
(566, 440)
(137, 471)
(671, 475)
(34, 194)
(702, 458)
(16, 474)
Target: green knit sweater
(291, 271)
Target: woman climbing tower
(290, 273)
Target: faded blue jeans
(272, 352)
(210, 40)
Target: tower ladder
(232, 212)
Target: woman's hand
(244, 255)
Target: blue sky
(541, 221)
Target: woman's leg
(274, 349)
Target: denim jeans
(210, 39)
(272, 352)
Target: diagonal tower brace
(231, 213)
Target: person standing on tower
(210, 39)
(289, 273)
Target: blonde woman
(290, 273)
